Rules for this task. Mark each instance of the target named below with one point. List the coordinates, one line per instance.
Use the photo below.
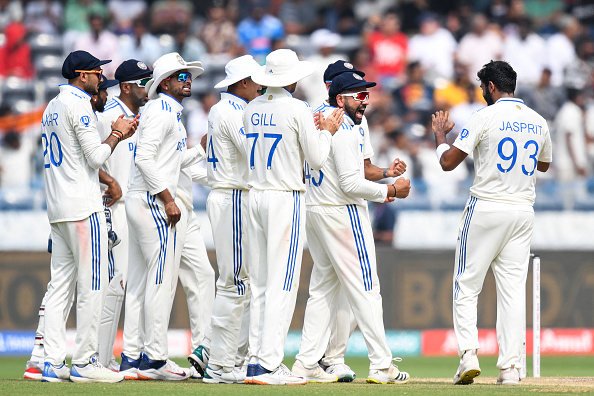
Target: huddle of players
(251, 314)
(261, 151)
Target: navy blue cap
(132, 69)
(105, 83)
(80, 60)
(340, 67)
(346, 81)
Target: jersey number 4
(211, 155)
(276, 136)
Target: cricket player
(227, 210)
(343, 322)
(152, 214)
(341, 241)
(34, 366)
(73, 153)
(132, 76)
(510, 142)
(281, 134)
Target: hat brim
(300, 70)
(101, 63)
(108, 84)
(230, 81)
(193, 67)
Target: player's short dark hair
(332, 101)
(501, 74)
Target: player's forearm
(373, 172)
(316, 147)
(106, 178)
(352, 184)
(193, 156)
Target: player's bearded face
(91, 86)
(354, 109)
(180, 88)
(487, 95)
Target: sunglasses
(360, 96)
(141, 83)
(100, 72)
(182, 77)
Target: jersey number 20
(49, 145)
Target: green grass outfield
(430, 375)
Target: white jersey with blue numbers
(161, 149)
(507, 140)
(72, 153)
(121, 162)
(341, 181)
(281, 134)
(226, 145)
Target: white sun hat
(237, 69)
(282, 68)
(165, 66)
(324, 38)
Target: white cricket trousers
(493, 235)
(342, 326)
(275, 229)
(228, 213)
(195, 273)
(118, 277)
(341, 244)
(79, 260)
(151, 268)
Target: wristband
(118, 134)
(442, 148)
(394, 185)
(385, 173)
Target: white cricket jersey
(363, 130)
(72, 153)
(161, 149)
(281, 134)
(121, 162)
(341, 181)
(226, 148)
(508, 139)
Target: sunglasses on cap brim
(360, 96)
(141, 82)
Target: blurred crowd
(424, 54)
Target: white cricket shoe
(34, 368)
(281, 376)
(342, 371)
(165, 370)
(241, 373)
(468, 368)
(391, 375)
(114, 365)
(94, 372)
(317, 374)
(222, 376)
(509, 376)
(53, 373)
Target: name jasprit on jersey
(521, 127)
